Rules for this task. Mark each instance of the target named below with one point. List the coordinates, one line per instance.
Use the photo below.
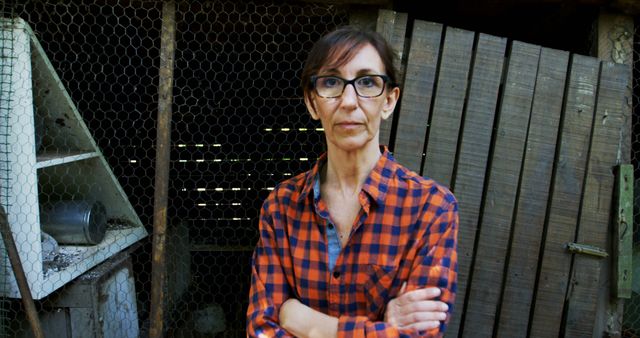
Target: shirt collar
(376, 185)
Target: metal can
(74, 222)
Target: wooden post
(614, 43)
(18, 272)
(163, 145)
(623, 232)
(392, 26)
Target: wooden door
(526, 137)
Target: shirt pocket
(379, 288)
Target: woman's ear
(311, 107)
(390, 102)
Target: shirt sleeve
(269, 287)
(436, 264)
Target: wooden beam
(415, 107)
(473, 156)
(448, 103)
(623, 232)
(575, 131)
(393, 26)
(160, 204)
(589, 276)
(495, 226)
(615, 33)
(535, 184)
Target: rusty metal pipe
(21, 278)
(163, 145)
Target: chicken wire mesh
(631, 321)
(86, 145)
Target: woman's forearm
(305, 322)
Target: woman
(359, 245)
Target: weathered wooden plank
(474, 152)
(495, 227)
(623, 232)
(609, 135)
(416, 99)
(565, 197)
(532, 202)
(392, 25)
(448, 104)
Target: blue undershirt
(333, 245)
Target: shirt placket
(338, 275)
(335, 274)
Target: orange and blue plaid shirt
(406, 231)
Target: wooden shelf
(57, 158)
(83, 258)
(70, 166)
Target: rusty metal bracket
(587, 249)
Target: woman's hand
(416, 309)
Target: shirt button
(336, 274)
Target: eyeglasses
(365, 86)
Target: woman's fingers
(418, 295)
(424, 306)
(423, 326)
(416, 309)
(409, 318)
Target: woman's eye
(366, 81)
(330, 82)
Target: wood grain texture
(392, 26)
(475, 142)
(533, 197)
(503, 180)
(449, 101)
(609, 135)
(623, 232)
(575, 133)
(416, 99)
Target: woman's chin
(352, 143)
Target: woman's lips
(349, 125)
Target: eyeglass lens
(365, 86)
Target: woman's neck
(346, 171)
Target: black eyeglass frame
(386, 81)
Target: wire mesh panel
(5, 91)
(631, 322)
(239, 126)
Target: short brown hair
(339, 47)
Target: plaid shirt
(406, 231)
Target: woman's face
(351, 122)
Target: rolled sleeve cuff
(352, 326)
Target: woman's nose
(349, 94)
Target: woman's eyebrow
(367, 71)
(360, 72)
